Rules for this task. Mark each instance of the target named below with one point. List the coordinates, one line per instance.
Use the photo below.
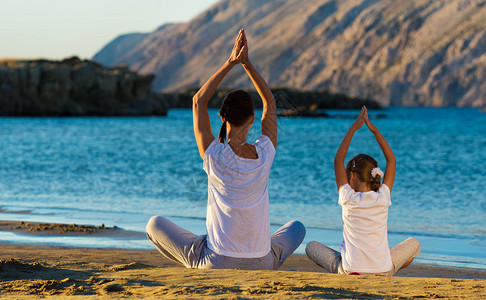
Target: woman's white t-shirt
(365, 234)
(237, 221)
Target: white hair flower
(376, 171)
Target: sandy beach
(35, 271)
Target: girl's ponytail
(375, 183)
(376, 175)
(366, 168)
(222, 133)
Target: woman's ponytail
(237, 108)
(222, 133)
(223, 112)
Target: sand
(33, 271)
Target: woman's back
(237, 221)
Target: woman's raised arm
(269, 116)
(202, 124)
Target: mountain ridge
(419, 52)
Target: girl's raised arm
(202, 124)
(391, 163)
(269, 116)
(339, 168)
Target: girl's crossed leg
(402, 255)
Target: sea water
(122, 171)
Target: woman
(237, 222)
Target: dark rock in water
(75, 87)
(303, 111)
(319, 100)
(287, 99)
(353, 117)
(378, 116)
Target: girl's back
(365, 217)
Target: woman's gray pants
(190, 250)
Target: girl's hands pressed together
(370, 125)
(363, 115)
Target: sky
(56, 29)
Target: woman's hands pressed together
(245, 60)
(238, 49)
(202, 124)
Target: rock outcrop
(286, 99)
(416, 52)
(75, 87)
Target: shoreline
(297, 262)
(49, 234)
(35, 271)
(51, 271)
(134, 237)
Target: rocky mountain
(414, 52)
(75, 87)
(118, 47)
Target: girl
(365, 203)
(237, 220)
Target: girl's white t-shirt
(365, 217)
(237, 220)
